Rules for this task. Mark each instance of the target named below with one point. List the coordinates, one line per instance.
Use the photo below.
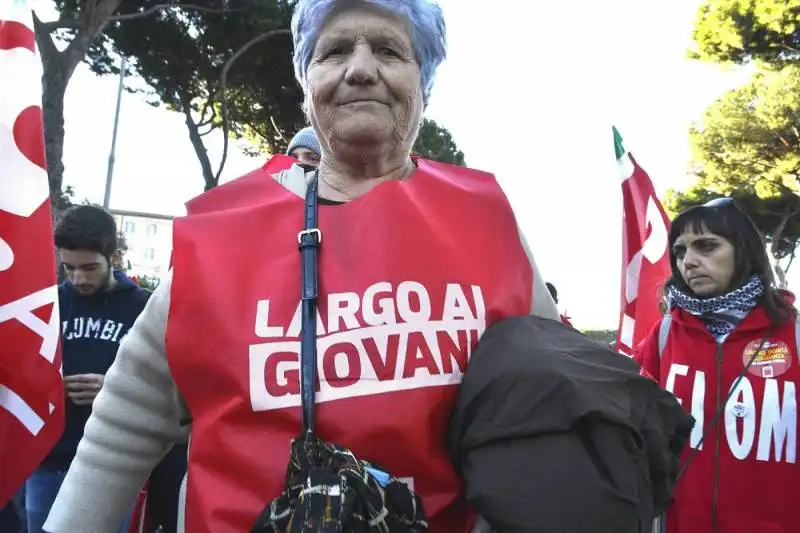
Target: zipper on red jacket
(715, 493)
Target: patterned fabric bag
(328, 489)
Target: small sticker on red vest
(772, 360)
(739, 410)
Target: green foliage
(122, 242)
(739, 31)
(435, 142)
(748, 146)
(603, 336)
(267, 100)
(180, 54)
(148, 282)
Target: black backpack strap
(309, 241)
(327, 487)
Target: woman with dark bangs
(728, 351)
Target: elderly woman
(416, 260)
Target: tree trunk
(791, 260)
(54, 86)
(58, 68)
(200, 149)
(780, 274)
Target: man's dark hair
(87, 227)
(553, 291)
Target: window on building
(152, 229)
(130, 227)
(149, 253)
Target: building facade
(149, 240)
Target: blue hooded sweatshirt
(91, 330)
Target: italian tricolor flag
(645, 261)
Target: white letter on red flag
(645, 261)
(31, 388)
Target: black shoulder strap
(309, 241)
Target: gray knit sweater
(136, 417)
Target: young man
(97, 305)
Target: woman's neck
(341, 181)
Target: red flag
(645, 261)
(31, 387)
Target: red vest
(410, 276)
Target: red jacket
(744, 479)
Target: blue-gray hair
(428, 33)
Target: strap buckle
(310, 231)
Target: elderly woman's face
(364, 82)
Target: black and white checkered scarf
(721, 314)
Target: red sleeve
(646, 354)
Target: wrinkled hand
(82, 389)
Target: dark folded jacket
(554, 433)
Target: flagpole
(110, 173)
